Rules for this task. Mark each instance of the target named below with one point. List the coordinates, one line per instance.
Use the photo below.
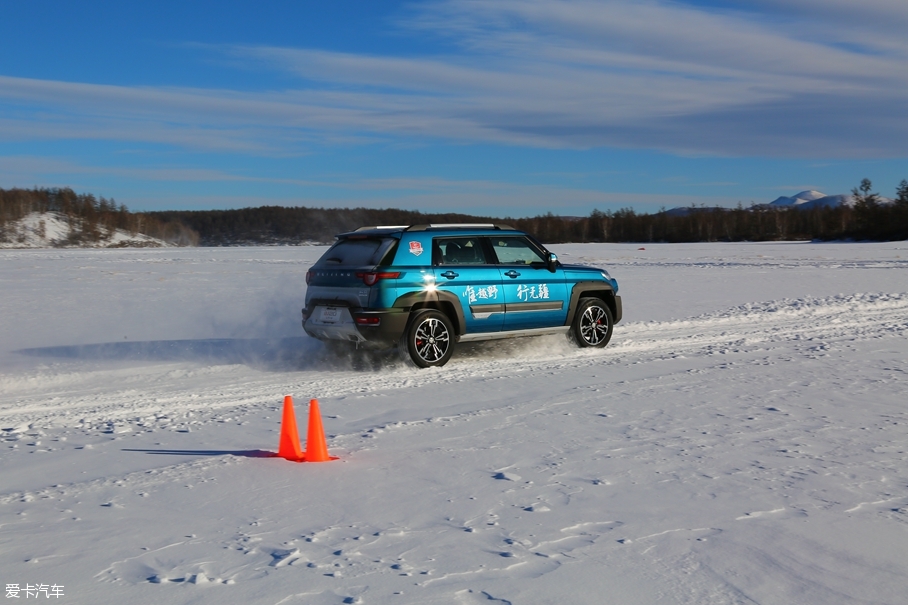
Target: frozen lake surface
(743, 439)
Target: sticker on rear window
(415, 248)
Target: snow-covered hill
(741, 440)
(811, 199)
(52, 229)
(804, 200)
(798, 199)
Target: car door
(462, 267)
(534, 296)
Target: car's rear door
(462, 267)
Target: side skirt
(513, 333)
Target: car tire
(593, 323)
(428, 340)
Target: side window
(459, 251)
(515, 250)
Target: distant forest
(91, 219)
(283, 225)
(868, 219)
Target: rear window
(356, 252)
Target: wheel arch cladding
(444, 302)
(594, 289)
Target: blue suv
(424, 288)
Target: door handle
(449, 275)
(512, 273)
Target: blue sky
(505, 108)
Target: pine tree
(902, 194)
(866, 210)
(900, 212)
(863, 196)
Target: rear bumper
(378, 329)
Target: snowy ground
(744, 439)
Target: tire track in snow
(814, 321)
(151, 392)
(839, 318)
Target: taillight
(308, 277)
(367, 320)
(371, 278)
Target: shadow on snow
(242, 453)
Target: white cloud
(38, 168)
(476, 196)
(767, 78)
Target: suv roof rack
(459, 226)
(434, 226)
(373, 227)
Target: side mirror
(552, 262)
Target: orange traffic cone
(316, 446)
(289, 447)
